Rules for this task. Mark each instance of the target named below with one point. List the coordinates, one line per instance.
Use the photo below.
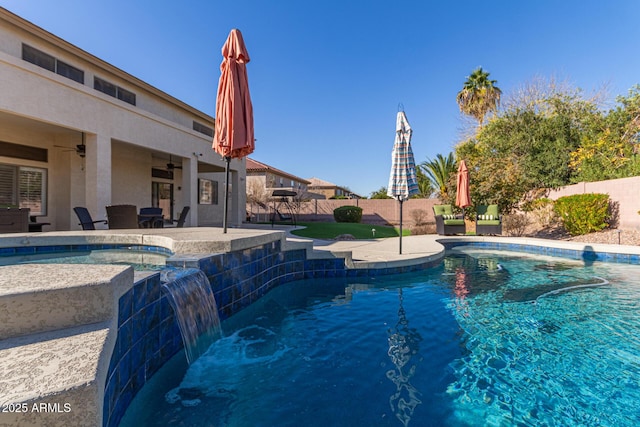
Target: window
(202, 129)
(126, 96)
(113, 90)
(38, 58)
(26, 152)
(104, 87)
(24, 187)
(208, 192)
(70, 72)
(48, 62)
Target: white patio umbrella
(402, 181)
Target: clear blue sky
(326, 77)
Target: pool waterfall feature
(190, 295)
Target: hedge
(347, 214)
(583, 213)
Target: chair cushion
(443, 210)
(487, 213)
(486, 217)
(487, 222)
(454, 222)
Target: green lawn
(330, 230)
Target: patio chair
(86, 222)
(122, 216)
(183, 217)
(488, 220)
(14, 220)
(150, 218)
(447, 222)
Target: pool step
(45, 297)
(53, 378)
(57, 331)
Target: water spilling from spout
(194, 305)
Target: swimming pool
(140, 257)
(486, 338)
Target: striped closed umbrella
(402, 180)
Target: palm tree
(425, 187)
(439, 172)
(479, 95)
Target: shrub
(542, 211)
(417, 230)
(347, 214)
(515, 224)
(420, 216)
(583, 213)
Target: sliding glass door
(162, 197)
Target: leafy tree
(479, 95)
(439, 171)
(526, 148)
(610, 146)
(381, 193)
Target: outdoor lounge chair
(447, 222)
(14, 220)
(86, 222)
(122, 216)
(488, 220)
(183, 217)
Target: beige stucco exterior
(40, 108)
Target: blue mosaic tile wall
(586, 254)
(148, 336)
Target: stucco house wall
(39, 108)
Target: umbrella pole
(400, 200)
(226, 194)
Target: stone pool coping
(383, 253)
(178, 240)
(65, 359)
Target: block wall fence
(624, 192)
(374, 211)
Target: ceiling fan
(171, 166)
(80, 149)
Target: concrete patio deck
(381, 253)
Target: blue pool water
(139, 257)
(485, 339)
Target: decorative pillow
(448, 217)
(485, 217)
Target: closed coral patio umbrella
(463, 198)
(403, 182)
(233, 137)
